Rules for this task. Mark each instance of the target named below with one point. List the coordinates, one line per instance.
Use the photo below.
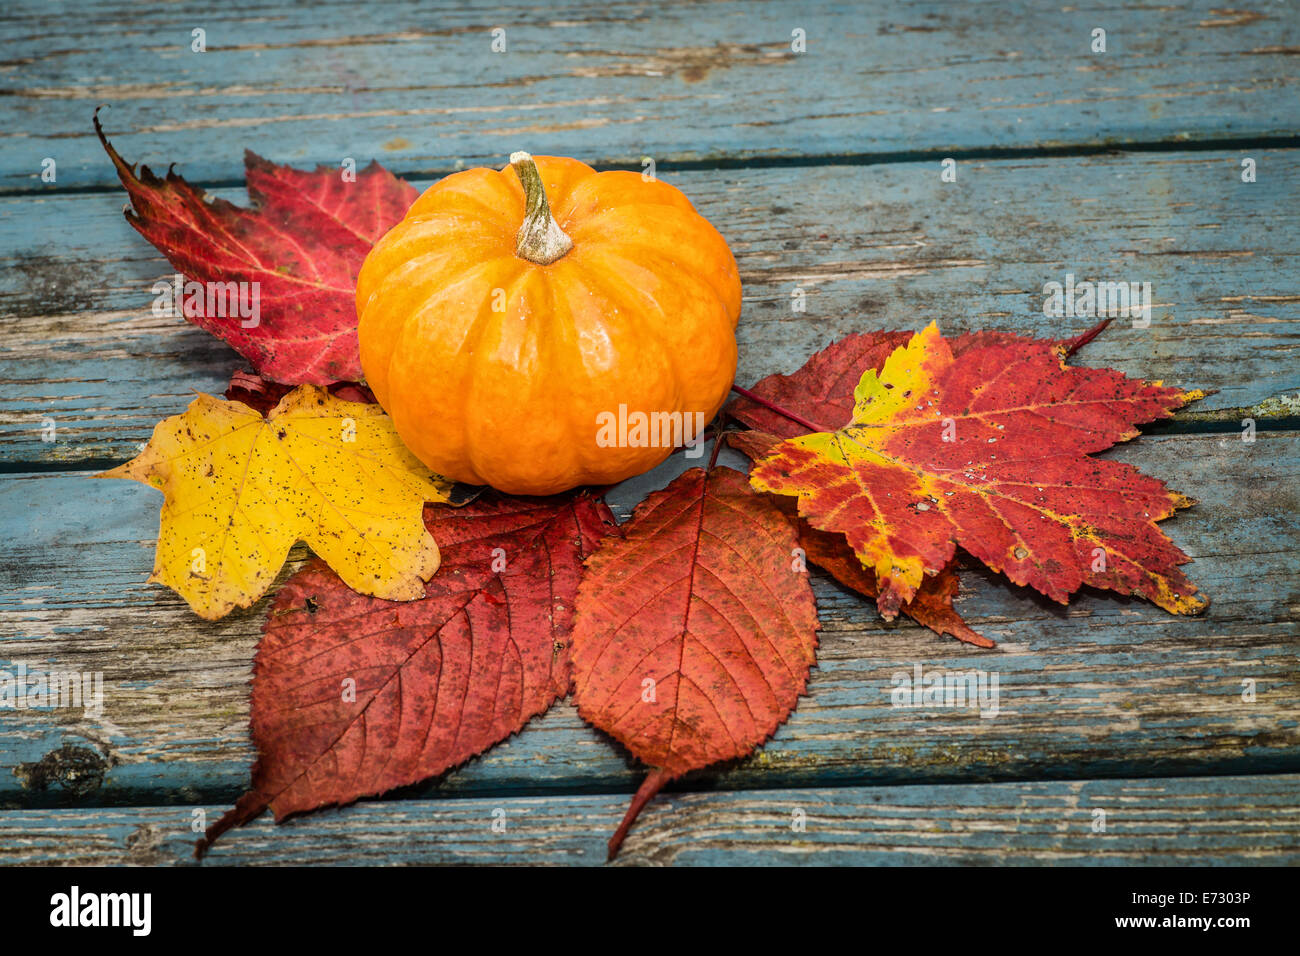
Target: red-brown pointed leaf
(262, 395)
(696, 630)
(303, 242)
(433, 681)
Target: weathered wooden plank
(1106, 687)
(419, 84)
(871, 247)
(1188, 821)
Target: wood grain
(417, 83)
(870, 246)
(1188, 821)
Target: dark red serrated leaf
(702, 598)
(303, 241)
(437, 680)
(262, 395)
(932, 605)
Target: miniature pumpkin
(523, 326)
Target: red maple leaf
(303, 243)
(695, 631)
(353, 696)
(821, 392)
(932, 604)
(986, 446)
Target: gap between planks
(809, 161)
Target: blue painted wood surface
(1180, 821)
(418, 84)
(822, 170)
(1106, 686)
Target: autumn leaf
(241, 488)
(303, 243)
(821, 390)
(695, 631)
(932, 606)
(989, 451)
(353, 696)
(262, 394)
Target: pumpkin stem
(540, 239)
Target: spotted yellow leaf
(239, 491)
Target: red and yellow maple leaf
(932, 606)
(353, 696)
(990, 451)
(695, 631)
(303, 244)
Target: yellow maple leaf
(241, 489)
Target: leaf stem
(717, 442)
(1086, 337)
(771, 407)
(652, 784)
(540, 238)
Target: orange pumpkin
(509, 315)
